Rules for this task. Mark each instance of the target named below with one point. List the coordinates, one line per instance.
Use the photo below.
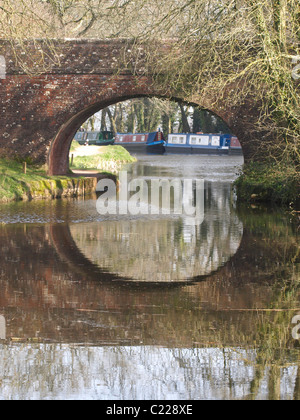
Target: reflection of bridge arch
(164, 249)
(154, 250)
(66, 248)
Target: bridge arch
(40, 113)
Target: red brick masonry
(40, 113)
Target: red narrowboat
(142, 142)
(235, 146)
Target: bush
(272, 182)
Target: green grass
(111, 159)
(269, 182)
(15, 185)
(117, 153)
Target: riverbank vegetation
(22, 180)
(17, 185)
(273, 183)
(35, 184)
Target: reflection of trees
(52, 371)
(2, 328)
(277, 347)
(164, 249)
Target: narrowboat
(151, 143)
(202, 143)
(95, 138)
(235, 146)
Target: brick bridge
(41, 112)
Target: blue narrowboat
(151, 143)
(202, 143)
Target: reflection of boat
(95, 138)
(203, 144)
(142, 142)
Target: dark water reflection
(74, 324)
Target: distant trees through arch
(141, 115)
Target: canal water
(150, 306)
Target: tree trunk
(112, 120)
(103, 120)
(185, 123)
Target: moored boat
(202, 143)
(235, 146)
(142, 142)
(95, 138)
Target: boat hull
(203, 144)
(143, 148)
(97, 143)
(196, 150)
(236, 151)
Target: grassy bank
(35, 184)
(107, 158)
(273, 183)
